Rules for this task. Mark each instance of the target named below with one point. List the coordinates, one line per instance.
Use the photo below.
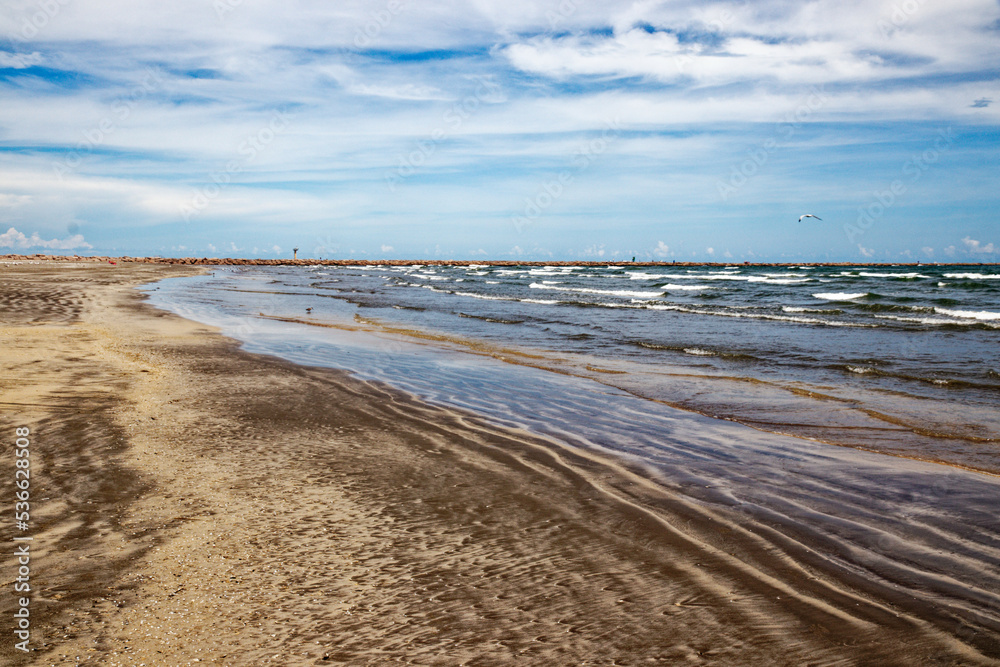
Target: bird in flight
(809, 215)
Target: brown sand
(192, 503)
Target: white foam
(583, 290)
(778, 318)
(974, 276)
(783, 281)
(793, 309)
(687, 288)
(892, 275)
(698, 352)
(840, 296)
(938, 321)
(969, 314)
(487, 297)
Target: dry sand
(193, 504)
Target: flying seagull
(809, 215)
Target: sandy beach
(196, 504)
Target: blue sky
(561, 129)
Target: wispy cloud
(117, 116)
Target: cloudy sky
(562, 129)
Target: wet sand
(193, 502)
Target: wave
(973, 276)
(938, 321)
(584, 290)
(687, 288)
(487, 297)
(893, 276)
(818, 311)
(641, 275)
(969, 314)
(891, 308)
(840, 296)
(758, 316)
(485, 318)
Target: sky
(488, 129)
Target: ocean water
(796, 384)
(899, 360)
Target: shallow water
(906, 526)
(903, 360)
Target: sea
(900, 360)
(854, 410)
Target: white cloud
(212, 248)
(927, 250)
(406, 91)
(950, 251)
(15, 239)
(20, 60)
(276, 249)
(387, 248)
(739, 68)
(710, 251)
(813, 43)
(661, 249)
(974, 247)
(865, 252)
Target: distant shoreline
(236, 261)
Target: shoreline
(200, 502)
(236, 261)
